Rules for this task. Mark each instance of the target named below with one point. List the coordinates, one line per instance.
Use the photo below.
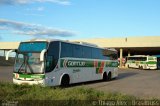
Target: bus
(58, 62)
(141, 62)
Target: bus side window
(77, 51)
(49, 63)
(87, 52)
(52, 56)
(109, 55)
(66, 50)
(96, 53)
(113, 57)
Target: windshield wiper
(20, 67)
(30, 68)
(25, 64)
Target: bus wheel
(65, 80)
(104, 76)
(141, 67)
(109, 76)
(128, 66)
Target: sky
(21, 20)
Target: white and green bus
(141, 62)
(58, 62)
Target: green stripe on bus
(142, 62)
(152, 62)
(29, 75)
(99, 63)
(85, 63)
(76, 63)
(97, 70)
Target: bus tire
(109, 76)
(65, 80)
(141, 67)
(128, 66)
(104, 76)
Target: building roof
(147, 41)
(127, 42)
(148, 45)
(9, 45)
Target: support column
(4, 53)
(121, 57)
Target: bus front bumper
(152, 68)
(23, 82)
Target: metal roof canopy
(9, 45)
(140, 50)
(147, 45)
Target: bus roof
(71, 42)
(141, 56)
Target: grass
(10, 91)
(72, 95)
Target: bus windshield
(32, 46)
(28, 63)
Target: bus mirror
(7, 55)
(42, 54)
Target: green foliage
(10, 91)
(71, 95)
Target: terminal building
(147, 45)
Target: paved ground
(6, 73)
(141, 83)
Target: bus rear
(142, 62)
(151, 62)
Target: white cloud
(11, 2)
(2, 28)
(40, 9)
(33, 14)
(35, 9)
(32, 29)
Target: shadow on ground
(120, 76)
(125, 75)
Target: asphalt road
(140, 83)
(144, 84)
(6, 73)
